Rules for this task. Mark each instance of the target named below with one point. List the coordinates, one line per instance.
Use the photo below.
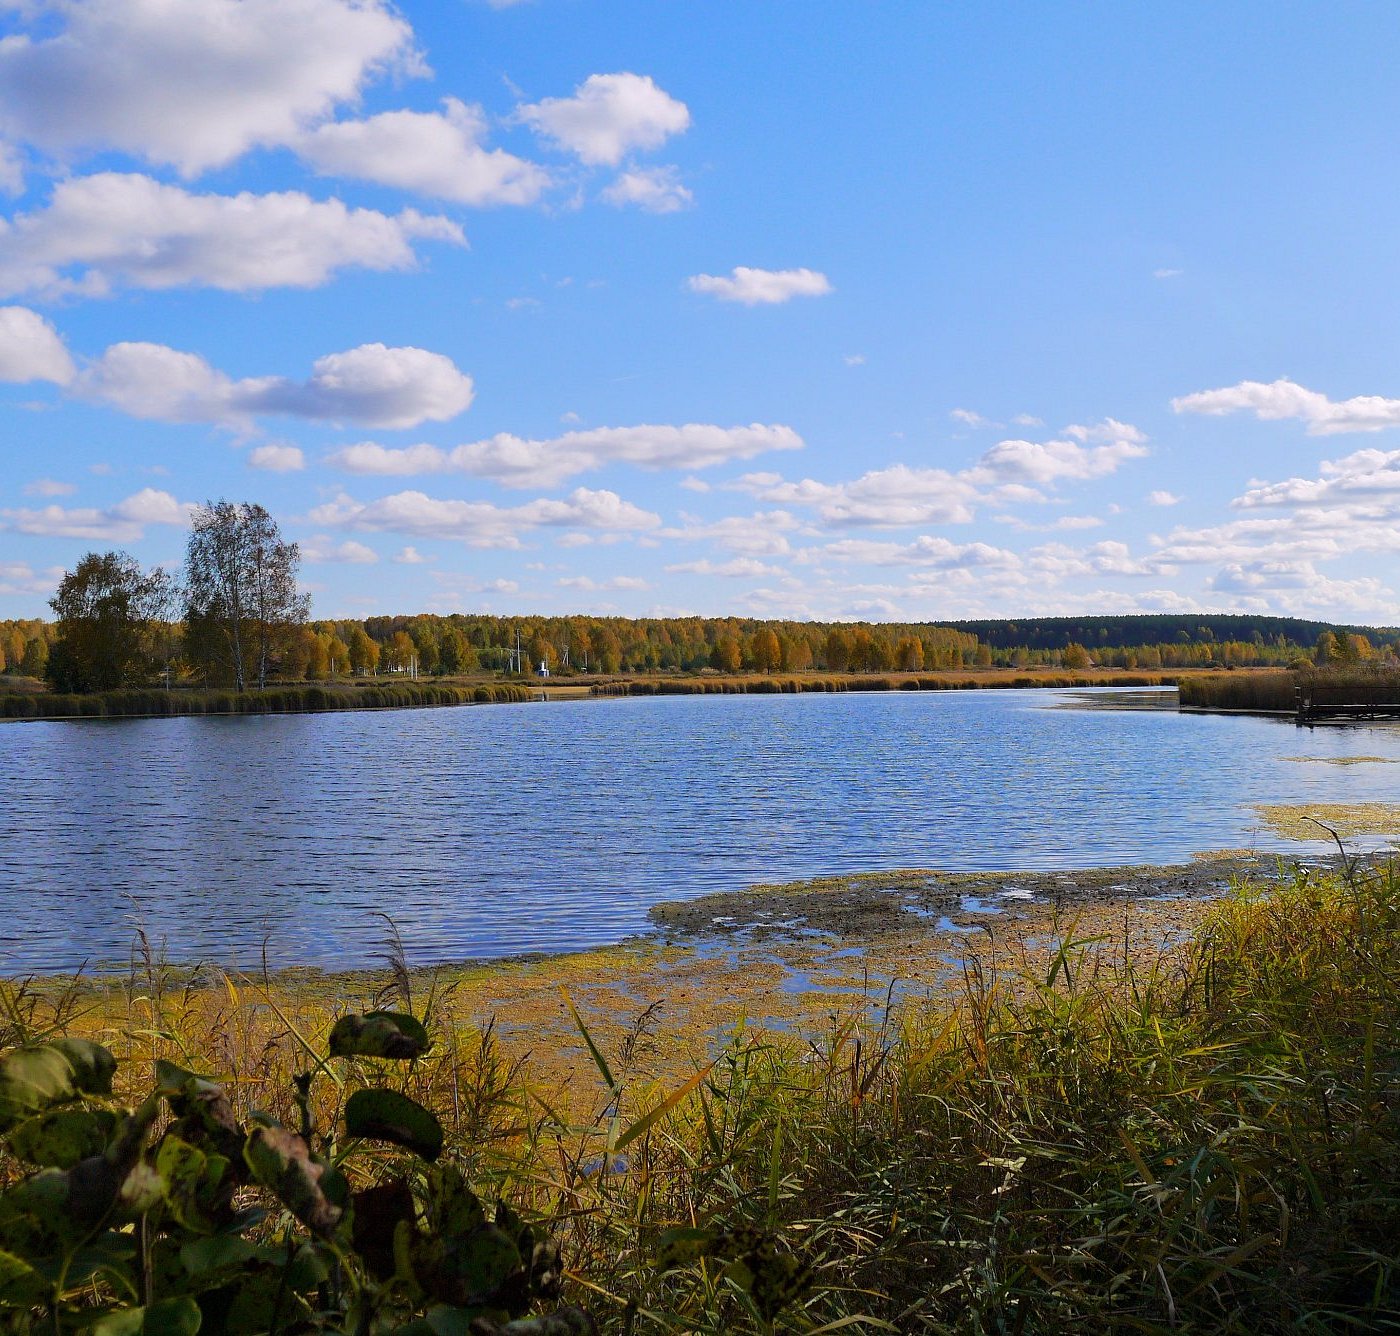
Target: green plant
(175, 1217)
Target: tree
(242, 602)
(363, 652)
(101, 606)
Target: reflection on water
(495, 830)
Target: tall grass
(1270, 692)
(275, 700)
(1204, 1141)
(826, 682)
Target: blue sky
(862, 309)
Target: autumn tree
(102, 606)
(242, 603)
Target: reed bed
(1207, 1140)
(274, 700)
(1266, 692)
(826, 682)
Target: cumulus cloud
(124, 522)
(1009, 472)
(370, 385)
(438, 154)
(760, 535)
(761, 287)
(321, 551)
(651, 189)
(970, 418)
(609, 116)
(517, 462)
(482, 524)
(20, 578)
(410, 556)
(274, 458)
(1282, 399)
(1161, 498)
(191, 85)
(116, 229)
(31, 349)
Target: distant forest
(1157, 629)
(458, 644)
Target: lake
(492, 830)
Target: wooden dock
(1350, 701)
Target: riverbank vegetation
(1340, 679)
(1204, 1139)
(143, 702)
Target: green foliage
(125, 1227)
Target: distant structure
(544, 669)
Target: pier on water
(1347, 701)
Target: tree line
(233, 616)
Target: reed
(756, 684)
(1206, 1140)
(300, 699)
(1264, 692)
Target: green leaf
(455, 1208)
(34, 1079)
(281, 1161)
(214, 1254)
(649, 1120)
(196, 1192)
(385, 1115)
(63, 1136)
(379, 1034)
(169, 1317)
(20, 1284)
(93, 1066)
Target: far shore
(25, 699)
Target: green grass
(274, 700)
(1203, 1141)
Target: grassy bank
(756, 684)
(274, 700)
(1205, 1139)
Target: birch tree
(241, 591)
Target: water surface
(493, 830)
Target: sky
(841, 309)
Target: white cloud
(759, 535)
(1167, 273)
(1009, 472)
(761, 287)
(926, 551)
(969, 418)
(517, 462)
(321, 550)
(1027, 420)
(482, 524)
(19, 578)
(1281, 399)
(277, 458)
(410, 556)
(12, 166)
(193, 84)
(31, 349)
(438, 154)
(1161, 498)
(587, 583)
(854, 359)
(608, 117)
(737, 568)
(371, 385)
(123, 523)
(651, 189)
(112, 230)
(49, 487)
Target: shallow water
(494, 830)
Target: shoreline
(772, 958)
